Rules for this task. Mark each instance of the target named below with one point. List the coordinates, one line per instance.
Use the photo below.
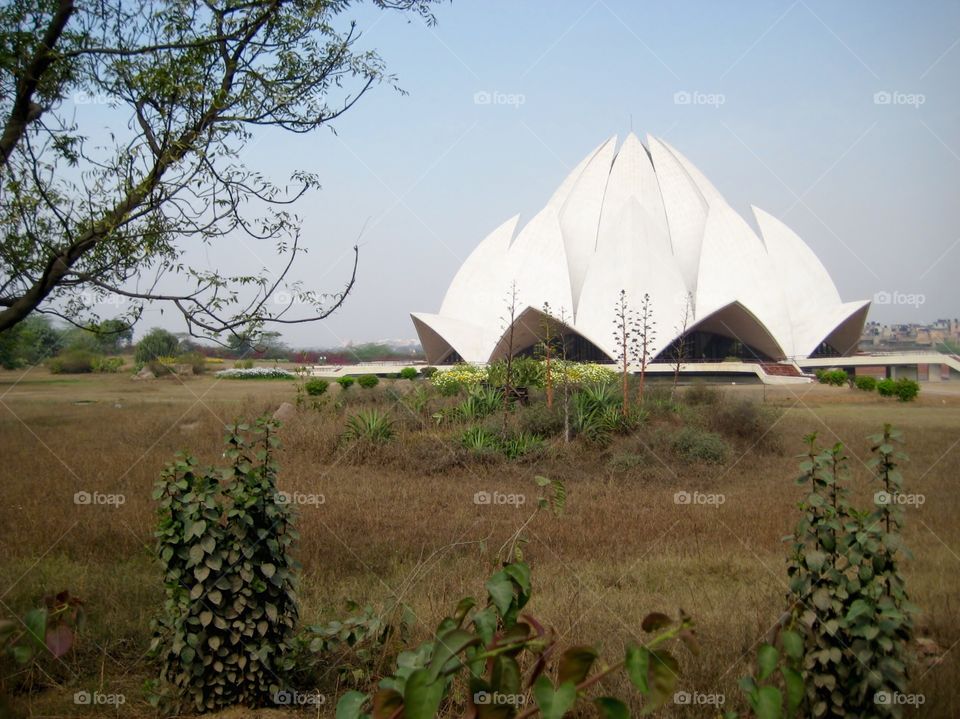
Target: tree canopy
(87, 218)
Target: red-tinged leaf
(385, 703)
(59, 640)
(654, 621)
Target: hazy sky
(785, 114)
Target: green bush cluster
(865, 383)
(697, 445)
(428, 372)
(368, 381)
(316, 386)
(72, 362)
(905, 390)
(345, 382)
(156, 343)
(409, 373)
(834, 377)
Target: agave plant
(481, 402)
(479, 439)
(370, 425)
(521, 444)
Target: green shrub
(540, 420)
(156, 343)
(224, 538)
(906, 389)
(887, 387)
(369, 426)
(696, 445)
(72, 362)
(409, 373)
(746, 420)
(428, 372)
(368, 381)
(345, 382)
(834, 377)
(700, 393)
(865, 382)
(316, 386)
(243, 364)
(197, 362)
(107, 364)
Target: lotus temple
(644, 219)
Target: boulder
(145, 373)
(285, 412)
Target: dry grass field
(402, 525)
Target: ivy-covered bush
(224, 539)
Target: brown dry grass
(402, 524)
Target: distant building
(942, 335)
(645, 220)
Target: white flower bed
(256, 373)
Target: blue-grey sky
(784, 114)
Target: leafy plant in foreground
(503, 654)
(224, 538)
(49, 629)
(849, 597)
